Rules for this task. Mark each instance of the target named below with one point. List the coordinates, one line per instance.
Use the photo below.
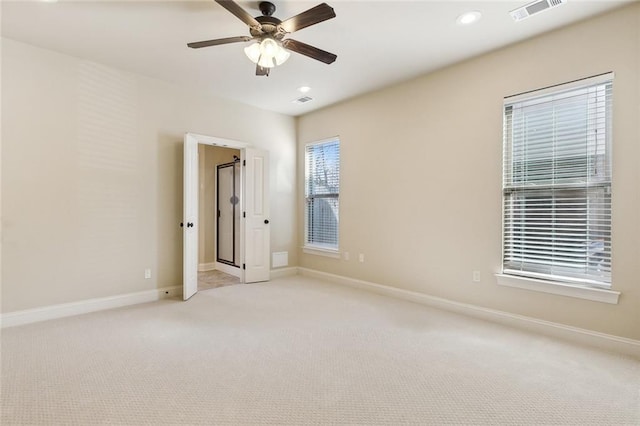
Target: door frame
(223, 143)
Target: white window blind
(322, 191)
(557, 183)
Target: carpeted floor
(299, 351)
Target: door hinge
(244, 266)
(244, 214)
(244, 162)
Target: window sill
(588, 293)
(321, 251)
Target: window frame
(311, 247)
(552, 282)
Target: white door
(190, 218)
(256, 212)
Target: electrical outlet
(147, 273)
(361, 257)
(345, 255)
(476, 276)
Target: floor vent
(534, 8)
(302, 100)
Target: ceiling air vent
(534, 8)
(302, 100)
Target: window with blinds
(322, 192)
(557, 183)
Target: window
(557, 183)
(322, 191)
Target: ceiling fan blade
(310, 51)
(317, 14)
(262, 71)
(207, 43)
(239, 12)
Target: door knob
(266, 221)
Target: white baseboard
(283, 272)
(28, 316)
(578, 335)
(575, 334)
(204, 267)
(228, 269)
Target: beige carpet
(300, 351)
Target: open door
(190, 218)
(254, 195)
(256, 211)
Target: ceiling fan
(270, 47)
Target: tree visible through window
(557, 183)
(322, 190)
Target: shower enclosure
(228, 220)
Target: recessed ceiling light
(469, 17)
(304, 89)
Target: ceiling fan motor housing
(269, 27)
(267, 8)
(268, 23)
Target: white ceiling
(378, 43)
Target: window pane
(559, 141)
(557, 185)
(322, 221)
(322, 189)
(559, 233)
(323, 168)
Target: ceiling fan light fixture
(253, 52)
(266, 62)
(268, 53)
(281, 55)
(266, 48)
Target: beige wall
(210, 157)
(421, 174)
(92, 176)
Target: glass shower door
(228, 221)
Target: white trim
(29, 316)
(228, 269)
(215, 141)
(320, 142)
(578, 335)
(284, 272)
(205, 267)
(562, 289)
(583, 82)
(321, 251)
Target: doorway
(254, 235)
(219, 216)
